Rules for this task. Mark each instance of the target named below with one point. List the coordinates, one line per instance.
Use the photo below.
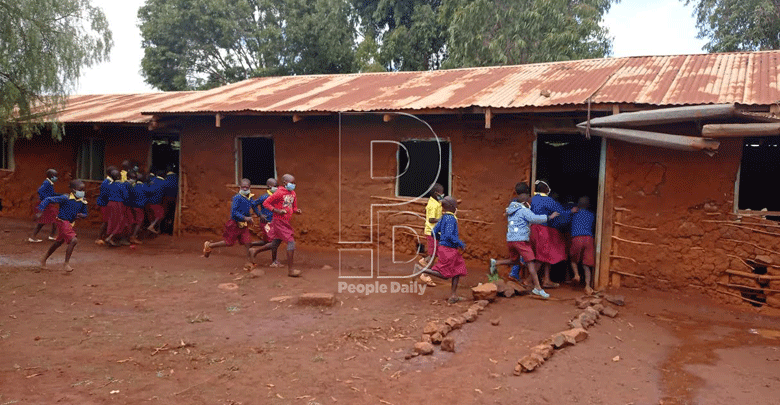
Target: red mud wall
(18, 188)
(680, 193)
(486, 164)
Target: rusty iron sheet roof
(120, 108)
(748, 78)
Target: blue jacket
(519, 219)
(155, 190)
(70, 206)
(102, 199)
(136, 195)
(171, 188)
(582, 223)
(446, 231)
(242, 207)
(545, 205)
(46, 190)
(117, 191)
(267, 214)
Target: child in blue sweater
(237, 227)
(72, 206)
(50, 215)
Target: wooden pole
(636, 227)
(632, 241)
(753, 244)
(623, 273)
(657, 139)
(665, 115)
(758, 277)
(747, 287)
(614, 276)
(622, 257)
(740, 130)
(740, 297)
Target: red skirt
(583, 250)
(65, 232)
(103, 213)
(521, 249)
(281, 229)
(265, 228)
(116, 218)
(450, 262)
(135, 216)
(548, 244)
(157, 211)
(431, 245)
(233, 234)
(49, 215)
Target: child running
(237, 227)
(266, 217)
(583, 250)
(519, 217)
(432, 215)
(283, 203)
(450, 264)
(72, 206)
(50, 215)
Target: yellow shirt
(432, 210)
(124, 176)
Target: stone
(519, 290)
(426, 338)
(764, 259)
(582, 302)
(518, 369)
(487, 292)
(577, 335)
(546, 351)
(281, 298)
(257, 273)
(470, 316)
(327, 267)
(585, 320)
(448, 344)
(559, 341)
(317, 299)
(430, 328)
(618, 300)
(610, 312)
(423, 348)
(575, 323)
(529, 363)
(598, 307)
(595, 314)
(444, 330)
(436, 338)
(507, 292)
(495, 321)
(461, 320)
(453, 323)
(500, 284)
(228, 286)
(596, 301)
(483, 303)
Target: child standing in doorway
(583, 249)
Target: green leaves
(44, 44)
(738, 25)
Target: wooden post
(488, 117)
(389, 117)
(615, 279)
(740, 130)
(219, 123)
(297, 117)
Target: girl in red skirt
(49, 215)
(283, 203)
(450, 263)
(116, 214)
(583, 249)
(72, 207)
(546, 240)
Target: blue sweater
(582, 223)
(46, 190)
(446, 231)
(545, 205)
(171, 188)
(155, 190)
(136, 195)
(117, 191)
(519, 219)
(70, 206)
(242, 207)
(267, 214)
(102, 199)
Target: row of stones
(435, 333)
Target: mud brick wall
(18, 188)
(680, 193)
(486, 164)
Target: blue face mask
(54, 178)
(273, 189)
(244, 192)
(291, 186)
(78, 194)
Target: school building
(679, 157)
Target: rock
(598, 307)
(281, 298)
(448, 344)
(257, 273)
(327, 267)
(408, 356)
(546, 351)
(500, 284)
(519, 290)
(582, 302)
(483, 303)
(595, 314)
(426, 338)
(559, 341)
(476, 309)
(495, 321)
(518, 369)
(577, 335)
(507, 291)
(618, 300)
(453, 323)
(763, 259)
(616, 359)
(575, 323)
(610, 312)
(487, 291)
(596, 301)
(470, 316)
(317, 299)
(444, 330)
(228, 286)
(461, 320)
(430, 328)
(436, 338)
(423, 348)
(529, 363)
(585, 320)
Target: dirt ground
(92, 336)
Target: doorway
(165, 157)
(571, 165)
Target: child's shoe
(540, 292)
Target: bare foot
(151, 229)
(588, 291)
(206, 249)
(43, 263)
(67, 267)
(576, 279)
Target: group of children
(274, 210)
(125, 197)
(535, 239)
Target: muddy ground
(93, 336)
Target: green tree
(738, 25)
(198, 44)
(498, 32)
(44, 44)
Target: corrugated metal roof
(749, 78)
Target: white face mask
(244, 192)
(273, 189)
(78, 194)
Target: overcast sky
(639, 27)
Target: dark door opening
(421, 161)
(758, 171)
(570, 165)
(165, 158)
